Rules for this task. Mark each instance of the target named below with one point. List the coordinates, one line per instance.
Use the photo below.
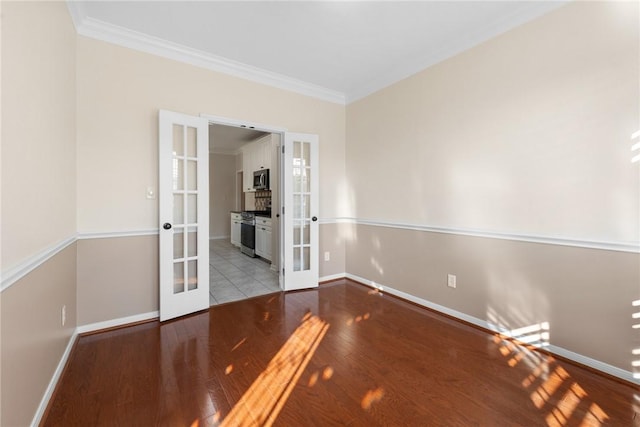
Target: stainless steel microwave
(261, 179)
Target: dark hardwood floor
(337, 355)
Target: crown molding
(77, 11)
(99, 30)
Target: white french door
(300, 219)
(183, 193)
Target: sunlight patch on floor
(552, 389)
(263, 401)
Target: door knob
(314, 219)
(166, 226)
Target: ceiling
(335, 50)
(229, 139)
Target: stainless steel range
(248, 234)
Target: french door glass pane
(178, 140)
(192, 208)
(306, 207)
(178, 175)
(296, 153)
(191, 142)
(192, 269)
(306, 228)
(178, 277)
(305, 258)
(192, 243)
(178, 243)
(178, 209)
(297, 259)
(296, 233)
(192, 174)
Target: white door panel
(300, 190)
(183, 213)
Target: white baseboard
(559, 351)
(219, 237)
(37, 418)
(332, 277)
(92, 327)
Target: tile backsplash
(257, 200)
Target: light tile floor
(234, 276)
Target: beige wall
(38, 198)
(332, 240)
(584, 294)
(222, 197)
(38, 132)
(528, 133)
(33, 338)
(117, 278)
(119, 94)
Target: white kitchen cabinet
(263, 237)
(255, 156)
(236, 221)
(247, 168)
(263, 153)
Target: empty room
(320, 213)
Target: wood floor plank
(336, 355)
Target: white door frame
(226, 121)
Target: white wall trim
(332, 277)
(15, 273)
(112, 234)
(92, 327)
(559, 351)
(336, 220)
(110, 33)
(633, 247)
(219, 237)
(11, 275)
(44, 402)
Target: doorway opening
(235, 154)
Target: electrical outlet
(327, 256)
(64, 314)
(451, 280)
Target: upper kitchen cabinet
(256, 156)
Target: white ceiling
(346, 49)
(229, 139)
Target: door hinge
(283, 149)
(283, 271)
(283, 210)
